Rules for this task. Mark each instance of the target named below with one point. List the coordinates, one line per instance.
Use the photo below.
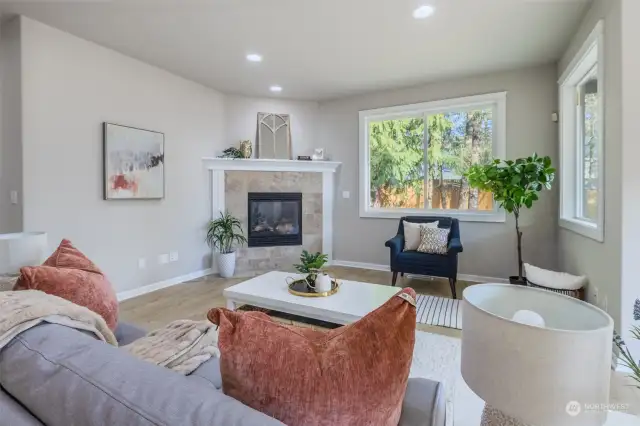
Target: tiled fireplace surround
(232, 180)
(239, 183)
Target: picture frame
(133, 163)
(318, 154)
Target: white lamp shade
(22, 249)
(529, 372)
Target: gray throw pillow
(412, 233)
(434, 240)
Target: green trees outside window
(405, 175)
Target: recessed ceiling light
(423, 12)
(254, 57)
(275, 88)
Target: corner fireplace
(275, 219)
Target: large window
(413, 158)
(581, 141)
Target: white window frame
(497, 101)
(571, 159)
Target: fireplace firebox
(275, 219)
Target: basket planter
(226, 264)
(514, 279)
(577, 294)
(558, 282)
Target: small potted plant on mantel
(515, 185)
(222, 234)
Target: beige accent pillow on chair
(412, 233)
(434, 240)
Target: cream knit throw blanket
(181, 346)
(22, 310)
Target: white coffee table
(353, 301)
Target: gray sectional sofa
(57, 376)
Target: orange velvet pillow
(353, 375)
(69, 274)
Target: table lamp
(537, 358)
(21, 249)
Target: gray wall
(241, 117)
(62, 150)
(70, 86)
(489, 248)
(10, 143)
(601, 262)
(630, 176)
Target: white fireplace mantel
(217, 167)
(266, 165)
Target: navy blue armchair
(435, 265)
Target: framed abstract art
(133, 163)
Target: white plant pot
(226, 264)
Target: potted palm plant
(515, 185)
(223, 234)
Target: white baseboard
(378, 267)
(129, 294)
(361, 265)
(482, 279)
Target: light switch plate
(142, 263)
(346, 194)
(173, 256)
(14, 197)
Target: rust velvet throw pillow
(69, 274)
(353, 375)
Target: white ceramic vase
(226, 264)
(323, 283)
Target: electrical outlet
(596, 296)
(173, 256)
(142, 263)
(14, 197)
(605, 304)
(163, 258)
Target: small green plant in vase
(311, 264)
(223, 234)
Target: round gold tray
(301, 288)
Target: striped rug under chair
(440, 311)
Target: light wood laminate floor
(193, 299)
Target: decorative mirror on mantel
(274, 136)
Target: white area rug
(437, 358)
(442, 311)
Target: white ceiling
(319, 49)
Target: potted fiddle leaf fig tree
(223, 234)
(515, 184)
